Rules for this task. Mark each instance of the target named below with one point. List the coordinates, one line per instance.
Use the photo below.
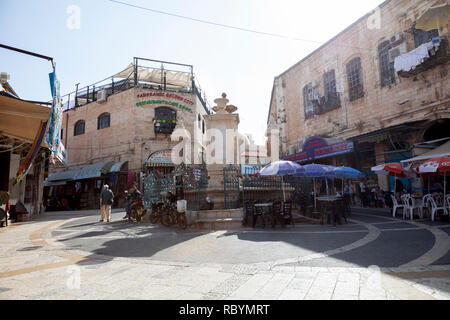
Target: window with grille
(103, 121)
(79, 128)
(165, 120)
(355, 80)
(387, 71)
(331, 95)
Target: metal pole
(26, 52)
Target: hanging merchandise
(77, 186)
(130, 178)
(25, 166)
(52, 137)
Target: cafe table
(267, 209)
(335, 204)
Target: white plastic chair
(410, 205)
(397, 206)
(434, 207)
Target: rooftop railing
(142, 73)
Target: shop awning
(93, 170)
(441, 151)
(54, 184)
(21, 119)
(63, 176)
(118, 167)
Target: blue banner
(52, 135)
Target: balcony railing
(116, 84)
(437, 56)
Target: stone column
(221, 152)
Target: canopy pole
(445, 185)
(315, 201)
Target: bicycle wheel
(182, 221)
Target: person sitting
(133, 195)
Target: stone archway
(437, 130)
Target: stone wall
(131, 136)
(426, 96)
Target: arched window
(79, 128)
(355, 79)
(165, 120)
(103, 121)
(387, 71)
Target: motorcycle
(137, 211)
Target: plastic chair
(434, 206)
(396, 206)
(410, 206)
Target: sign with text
(317, 148)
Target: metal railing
(113, 85)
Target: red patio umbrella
(394, 169)
(435, 166)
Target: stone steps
(218, 219)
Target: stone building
(118, 129)
(372, 93)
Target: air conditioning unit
(398, 38)
(398, 51)
(103, 96)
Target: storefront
(160, 162)
(325, 151)
(79, 189)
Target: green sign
(164, 102)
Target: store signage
(161, 99)
(161, 157)
(317, 148)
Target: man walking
(106, 200)
(363, 194)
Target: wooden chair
(287, 213)
(276, 212)
(249, 208)
(259, 212)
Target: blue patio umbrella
(282, 168)
(316, 171)
(347, 173)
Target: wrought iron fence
(192, 180)
(231, 187)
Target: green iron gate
(192, 180)
(231, 188)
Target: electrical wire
(275, 35)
